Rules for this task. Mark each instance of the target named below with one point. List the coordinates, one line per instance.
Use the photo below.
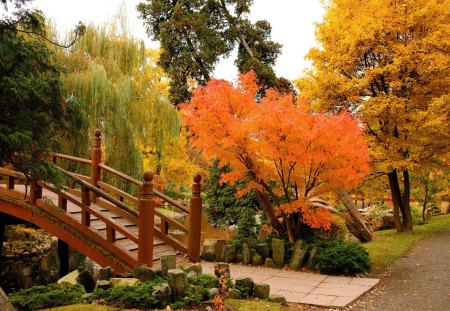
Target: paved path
(303, 287)
(419, 281)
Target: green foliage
(139, 296)
(223, 208)
(197, 291)
(340, 257)
(39, 297)
(195, 34)
(34, 116)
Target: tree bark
(407, 201)
(396, 200)
(269, 211)
(355, 222)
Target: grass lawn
(390, 245)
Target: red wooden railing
(84, 190)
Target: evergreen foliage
(34, 115)
(195, 34)
(223, 208)
(49, 296)
(340, 257)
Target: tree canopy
(195, 34)
(288, 155)
(34, 114)
(388, 63)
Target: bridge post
(195, 220)
(146, 221)
(96, 159)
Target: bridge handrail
(139, 184)
(71, 158)
(99, 192)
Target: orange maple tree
(288, 154)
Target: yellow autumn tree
(388, 62)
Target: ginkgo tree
(288, 155)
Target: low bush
(339, 257)
(139, 296)
(49, 296)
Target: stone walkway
(302, 287)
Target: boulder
(103, 284)
(213, 292)
(209, 250)
(278, 252)
(86, 279)
(261, 291)
(144, 273)
(228, 253)
(163, 293)
(219, 248)
(238, 257)
(299, 251)
(257, 259)
(312, 260)
(191, 274)
(196, 267)
(168, 262)
(123, 281)
(70, 278)
(212, 249)
(234, 294)
(177, 280)
(269, 263)
(278, 299)
(221, 268)
(105, 273)
(263, 250)
(246, 251)
(245, 285)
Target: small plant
(49, 296)
(341, 257)
(138, 296)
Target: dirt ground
(419, 281)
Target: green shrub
(138, 296)
(49, 296)
(339, 257)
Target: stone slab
(302, 287)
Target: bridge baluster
(96, 160)
(62, 203)
(35, 192)
(85, 202)
(164, 225)
(195, 220)
(110, 234)
(146, 221)
(10, 182)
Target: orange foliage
(277, 142)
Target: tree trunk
(406, 201)
(269, 211)
(355, 222)
(399, 202)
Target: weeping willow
(114, 78)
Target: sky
(292, 25)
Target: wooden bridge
(107, 224)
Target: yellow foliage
(389, 63)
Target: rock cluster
(271, 256)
